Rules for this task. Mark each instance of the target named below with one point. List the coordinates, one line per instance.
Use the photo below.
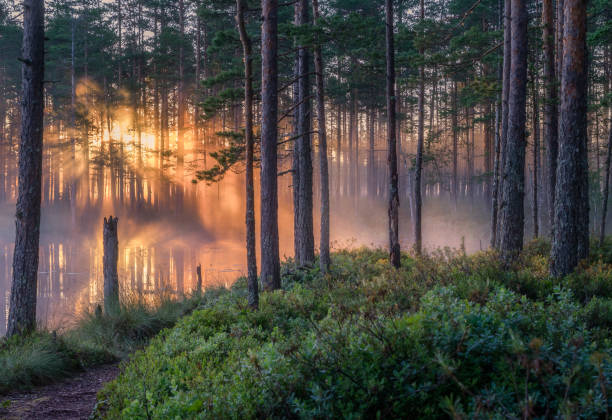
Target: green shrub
(445, 335)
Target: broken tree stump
(111, 256)
(199, 274)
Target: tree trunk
(22, 312)
(559, 40)
(241, 7)
(550, 106)
(198, 73)
(371, 161)
(394, 246)
(352, 126)
(570, 238)
(469, 155)
(455, 129)
(180, 118)
(487, 152)
(111, 256)
(513, 189)
(338, 147)
(270, 264)
(536, 147)
(304, 233)
(199, 277)
(505, 95)
(606, 190)
(418, 202)
(496, 179)
(73, 172)
(324, 258)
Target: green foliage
(227, 158)
(446, 334)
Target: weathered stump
(199, 274)
(111, 256)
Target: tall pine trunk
(198, 73)
(550, 107)
(606, 190)
(22, 312)
(418, 201)
(455, 133)
(513, 189)
(180, 144)
(393, 209)
(570, 236)
(241, 7)
(504, 107)
(304, 226)
(324, 259)
(270, 263)
(535, 123)
(371, 162)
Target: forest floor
(71, 399)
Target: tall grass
(96, 338)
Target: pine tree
(270, 264)
(22, 312)
(570, 236)
(513, 188)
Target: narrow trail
(70, 399)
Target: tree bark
(199, 277)
(198, 73)
(513, 190)
(22, 311)
(324, 258)
(371, 160)
(180, 118)
(304, 226)
(418, 201)
(394, 246)
(111, 256)
(455, 129)
(496, 177)
(536, 148)
(270, 264)
(570, 238)
(606, 190)
(488, 143)
(241, 7)
(550, 106)
(505, 95)
(73, 128)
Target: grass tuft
(44, 357)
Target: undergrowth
(447, 335)
(46, 356)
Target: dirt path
(71, 399)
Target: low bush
(445, 335)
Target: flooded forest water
(168, 224)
